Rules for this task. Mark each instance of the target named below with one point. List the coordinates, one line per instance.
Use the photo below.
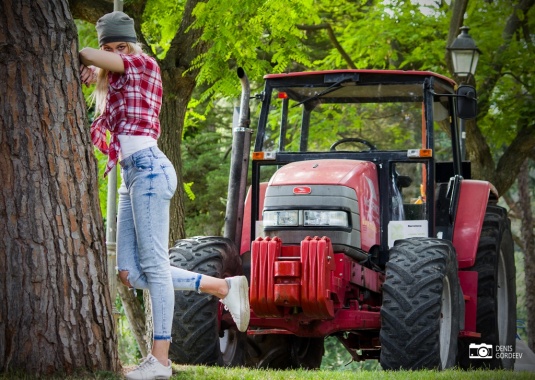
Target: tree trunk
(524, 194)
(55, 307)
(179, 78)
(175, 102)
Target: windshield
(350, 117)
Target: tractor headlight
(281, 218)
(325, 218)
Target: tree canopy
(206, 41)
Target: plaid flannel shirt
(132, 105)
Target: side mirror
(466, 102)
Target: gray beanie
(115, 27)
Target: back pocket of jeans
(143, 163)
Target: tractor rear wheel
(283, 352)
(422, 306)
(198, 335)
(496, 298)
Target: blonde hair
(101, 90)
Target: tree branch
(510, 162)
(456, 21)
(90, 11)
(332, 38)
(187, 44)
(514, 23)
(135, 9)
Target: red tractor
(361, 222)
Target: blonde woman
(128, 98)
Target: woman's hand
(88, 74)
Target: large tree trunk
(179, 78)
(524, 195)
(55, 306)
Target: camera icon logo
(480, 351)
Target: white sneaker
(237, 301)
(150, 369)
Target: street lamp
(464, 55)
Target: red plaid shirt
(132, 105)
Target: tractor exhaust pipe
(239, 164)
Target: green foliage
(337, 358)
(511, 101)
(260, 36)
(160, 21)
(206, 165)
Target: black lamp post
(464, 55)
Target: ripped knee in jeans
(123, 276)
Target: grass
(218, 373)
(214, 373)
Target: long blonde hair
(101, 90)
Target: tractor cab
(386, 141)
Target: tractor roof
(399, 76)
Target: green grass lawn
(214, 373)
(182, 372)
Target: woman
(128, 98)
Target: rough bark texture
(524, 194)
(55, 307)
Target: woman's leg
(149, 182)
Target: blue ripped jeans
(148, 184)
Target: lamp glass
(464, 61)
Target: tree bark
(55, 307)
(528, 239)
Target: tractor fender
(472, 204)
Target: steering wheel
(353, 139)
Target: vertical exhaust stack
(239, 164)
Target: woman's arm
(103, 59)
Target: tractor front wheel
(422, 306)
(198, 335)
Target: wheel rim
(502, 300)
(228, 345)
(445, 323)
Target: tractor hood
(351, 185)
(350, 173)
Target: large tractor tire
(284, 352)
(198, 335)
(496, 296)
(422, 306)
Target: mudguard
(473, 199)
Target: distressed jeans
(148, 183)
